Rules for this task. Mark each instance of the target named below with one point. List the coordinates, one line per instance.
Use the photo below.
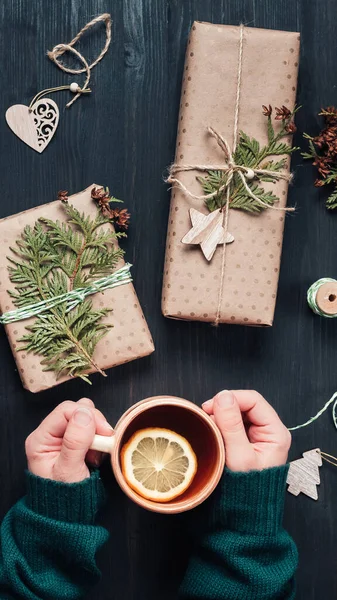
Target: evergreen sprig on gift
(50, 259)
(250, 154)
(323, 151)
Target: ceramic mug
(180, 416)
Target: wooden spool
(326, 298)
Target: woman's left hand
(254, 435)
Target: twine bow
(229, 168)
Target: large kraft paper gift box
(191, 285)
(128, 339)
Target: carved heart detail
(37, 127)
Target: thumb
(76, 442)
(228, 417)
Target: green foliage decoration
(50, 259)
(250, 154)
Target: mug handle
(103, 443)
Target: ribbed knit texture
(244, 553)
(49, 540)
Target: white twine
(72, 298)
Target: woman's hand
(254, 435)
(59, 447)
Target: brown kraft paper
(269, 76)
(129, 338)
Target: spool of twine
(322, 297)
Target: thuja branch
(322, 150)
(51, 259)
(250, 154)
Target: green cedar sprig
(50, 259)
(250, 154)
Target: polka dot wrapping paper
(191, 284)
(128, 339)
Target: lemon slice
(158, 464)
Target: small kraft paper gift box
(231, 174)
(127, 336)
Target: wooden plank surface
(124, 136)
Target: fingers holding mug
(94, 457)
(254, 435)
(240, 455)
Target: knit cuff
(252, 502)
(69, 502)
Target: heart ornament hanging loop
(36, 124)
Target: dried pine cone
(267, 110)
(282, 113)
(63, 196)
(119, 216)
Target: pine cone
(330, 115)
(63, 196)
(121, 217)
(291, 127)
(282, 113)
(99, 194)
(267, 110)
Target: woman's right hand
(59, 447)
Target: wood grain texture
(326, 298)
(208, 231)
(31, 128)
(124, 135)
(303, 475)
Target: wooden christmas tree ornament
(303, 475)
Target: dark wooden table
(124, 136)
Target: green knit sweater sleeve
(244, 552)
(49, 540)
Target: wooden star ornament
(208, 231)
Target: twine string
(71, 298)
(55, 89)
(229, 168)
(329, 458)
(332, 462)
(60, 49)
(223, 263)
(333, 401)
(226, 148)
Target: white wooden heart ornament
(35, 126)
